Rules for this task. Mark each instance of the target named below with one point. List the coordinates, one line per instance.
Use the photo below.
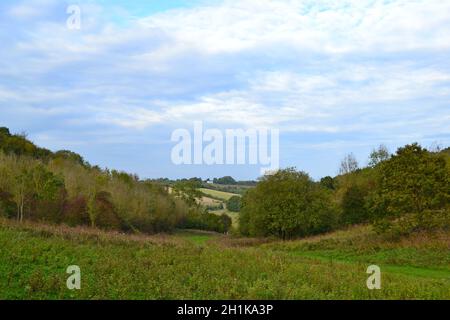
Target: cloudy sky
(334, 76)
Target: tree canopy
(286, 204)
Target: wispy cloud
(343, 71)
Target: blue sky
(333, 76)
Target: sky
(334, 77)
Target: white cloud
(305, 66)
(326, 26)
(31, 9)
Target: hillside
(34, 259)
(218, 194)
(61, 187)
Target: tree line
(399, 194)
(61, 187)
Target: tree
(38, 184)
(378, 155)
(7, 205)
(353, 205)
(412, 181)
(225, 180)
(348, 165)
(188, 191)
(207, 221)
(328, 182)
(285, 205)
(21, 191)
(48, 194)
(69, 155)
(234, 204)
(95, 192)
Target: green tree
(354, 206)
(95, 192)
(412, 181)
(225, 180)
(234, 204)
(188, 190)
(286, 204)
(328, 182)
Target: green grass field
(199, 265)
(218, 194)
(223, 196)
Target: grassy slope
(218, 194)
(421, 255)
(224, 196)
(33, 260)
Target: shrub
(215, 207)
(354, 206)
(234, 204)
(207, 221)
(75, 212)
(412, 181)
(7, 205)
(287, 204)
(426, 221)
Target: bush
(106, 216)
(75, 212)
(8, 207)
(353, 204)
(287, 204)
(207, 221)
(234, 204)
(215, 207)
(426, 221)
(412, 181)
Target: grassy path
(413, 271)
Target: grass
(196, 237)
(197, 265)
(420, 255)
(218, 194)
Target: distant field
(235, 189)
(206, 201)
(199, 265)
(224, 196)
(218, 194)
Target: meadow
(215, 194)
(213, 198)
(205, 265)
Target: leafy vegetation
(224, 180)
(60, 187)
(399, 194)
(234, 204)
(285, 205)
(205, 266)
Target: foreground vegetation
(193, 265)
